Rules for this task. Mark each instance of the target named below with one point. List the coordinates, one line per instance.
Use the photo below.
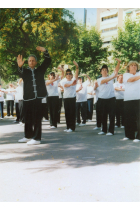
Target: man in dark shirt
(34, 91)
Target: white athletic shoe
(82, 124)
(96, 128)
(89, 120)
(1, 118)
(109, 134)
(45, 120)
(69, 130)
(101, 133)
(122, 126)
(77, 123)
(11, 116)
(33, 142)
(66, 130)
(53, 127)
(125, 138)
(136, 140)
(24, 140)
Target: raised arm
(108, 79)
(85, 75)
(118, 65)
(53, 80)
(62, 72)
(20, 63)
(96, 85)
(47, 60)
(77, 69)
(20, 80)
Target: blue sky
(79, 15)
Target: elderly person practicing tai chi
(119, 89)
(131, 80)
(53, 96)
(34, 91)
(106, 98)
(69, 86)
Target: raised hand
(116, 74)
(76, 64)
(57, 77)
(60, 68)
(20, 61)
(118, 60)
(42, 49)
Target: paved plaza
(68, 167)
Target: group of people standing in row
(120, 99)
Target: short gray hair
(32, 56)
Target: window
(109, 17)
(129, 13)
(107, 42)
(138, 13)
(109, 29)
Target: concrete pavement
(68, 167)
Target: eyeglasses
(68, 73)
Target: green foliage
(87, 50)
(21, 30)
(127, 44)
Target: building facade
(110, 19)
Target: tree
(21, 30)
(127, 44)
(87, 50)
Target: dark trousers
(21, 111)
(98, 114)
(45, 110)
(53, 102)
(32, 116)
(81, 107)
(132, 119)
(17, 111)
(107, 107)
(89, 108)
(10, 107)
(70, 112)
(119, 112)
(59, 110)
(1, 109)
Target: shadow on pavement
(78, 149)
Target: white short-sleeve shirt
(90, 89)
(81, 95)
(132, 89)
(118, 93)
(69, 92)
(1, 96)
(52, 89)
(106, 90)
(9, 95)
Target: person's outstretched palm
(42, 49)
(20, 61)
